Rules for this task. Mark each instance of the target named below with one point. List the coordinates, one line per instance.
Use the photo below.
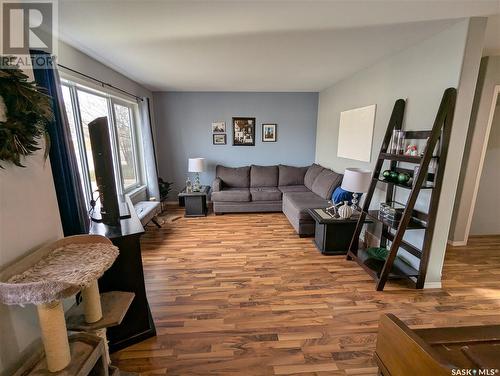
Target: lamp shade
(196, 165)
(356, 180)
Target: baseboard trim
(457, 243)
(432, 285)
(176, 203)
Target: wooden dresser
(437, 351)
(126, 274)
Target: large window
(83, 105)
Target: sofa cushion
(232, 195)
(290, 175)
(216, 185)
(234, 177)
(311, 174)
(263, 176)
(293, 188)
(297, 203)
(326, 182)
(265, 194)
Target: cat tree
(57, 271)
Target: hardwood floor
(244, 295)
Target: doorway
(484, 219)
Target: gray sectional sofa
(290, 189)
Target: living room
(274, 128)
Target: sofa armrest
(216, 185)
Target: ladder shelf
(393, 231)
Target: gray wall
(420, 74)
(485, 220)
(184, 130)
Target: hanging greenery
(25, 112)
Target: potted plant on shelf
(165, 188)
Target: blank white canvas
(356, 133)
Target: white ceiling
(255, 45)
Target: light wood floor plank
(244, 295)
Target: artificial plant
(25, 113)
(165, 188)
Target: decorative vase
(393, 176)
(345, 211)
(403, 178)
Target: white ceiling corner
(256, 45)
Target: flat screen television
(102, 154)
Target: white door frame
(496, 94)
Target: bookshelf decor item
(398, 218)
(345, 211)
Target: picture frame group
(243, 132)
(219, 136)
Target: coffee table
(332, 236)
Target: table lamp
(356, 180)
(196, 165)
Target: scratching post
(102, 334)
(93, 312)
(92, 302)
(54, 335)
(50, 274)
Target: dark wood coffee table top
(320, 215)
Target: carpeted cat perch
(56, 271)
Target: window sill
(134, 192)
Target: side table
(195, 203)
(332, 236)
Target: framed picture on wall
(219, 127)
(269, 132)
(219, 139)
(243, 131)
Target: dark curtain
(72, 209)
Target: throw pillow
(326, 182)
(341, 195)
